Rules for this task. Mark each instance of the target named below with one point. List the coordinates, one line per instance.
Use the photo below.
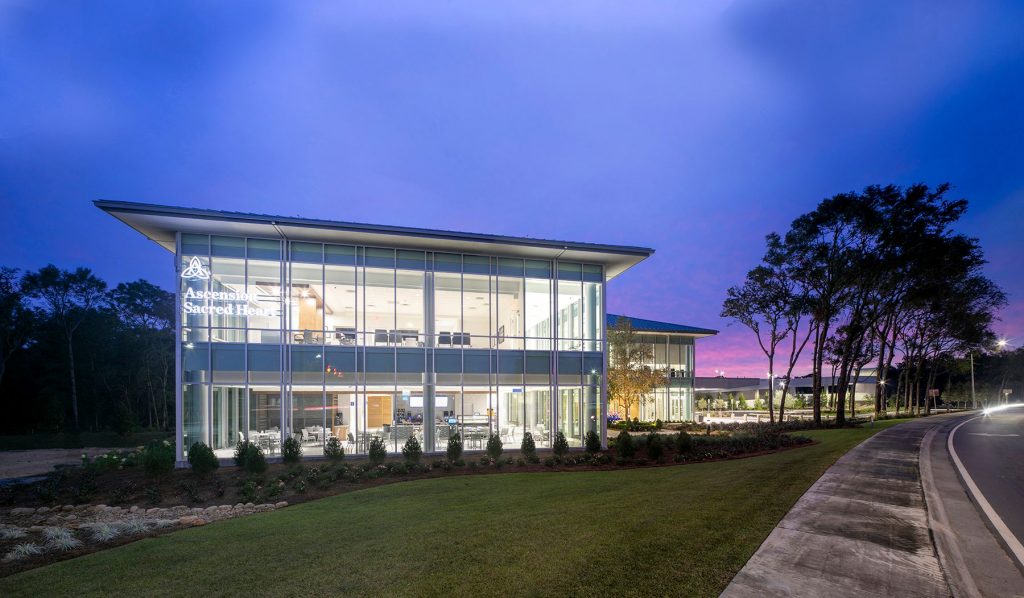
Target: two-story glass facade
(672, 352)
(313, 329)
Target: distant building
(752, 389)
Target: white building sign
(219, 303)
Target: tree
(16, 319)
(630, 377)
(67, 298)
(760, 304)
(141, 304)
(877, 273)
(146, 316)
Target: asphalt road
(992, 450)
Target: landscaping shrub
(592, 442)
(378, 452)
(711, 447)
(634, 425)
(250, 492)
(561, 445)
(291, 450)
(494, 446)
(624, 447)
(252, 459)
(412, 451)
(684, 443)
(454, 449)
(528, 448)
(240, 448)
(158, 458)
(202, 460)
(333, 449)
(654, 446)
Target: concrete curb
(954, 567)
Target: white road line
(997, 522)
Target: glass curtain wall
(673, 401)
(313, 341)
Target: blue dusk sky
(694, 128)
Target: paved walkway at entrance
(860, 530)
(17, 464)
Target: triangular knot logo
(195, 270)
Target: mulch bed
(225, 485)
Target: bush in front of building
(253, 460)
(412, 451)
(654, 447)
(684, 443)
(377, 452)
(624, 446)
(291, 450)
(454, 450)
(561, 445)
(592, 442)
(240, 449)
(333, 449)
(494, 446)
(202, 460)
(528, 448)
(633, 425)
(158, 458)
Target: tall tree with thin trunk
(761, 304)
(630, 375)
(67, 297)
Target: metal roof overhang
(655, 327)
(160, 223)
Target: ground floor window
(223, 415)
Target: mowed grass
(681, 530)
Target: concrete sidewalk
(861, 530)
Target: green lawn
(683, 530)
(97, 439)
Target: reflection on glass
(228, 407)
(570, 415)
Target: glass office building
(673, 352)
(316, 329)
